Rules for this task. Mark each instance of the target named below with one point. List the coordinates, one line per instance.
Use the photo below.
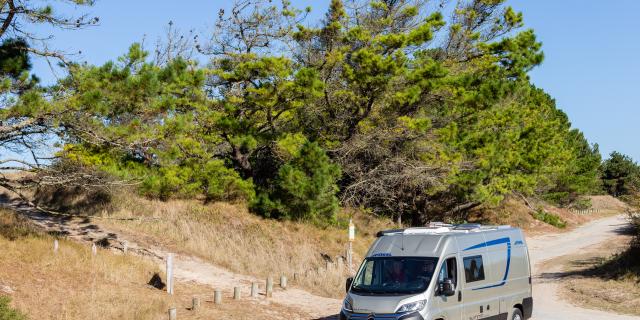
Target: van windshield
(394, 275)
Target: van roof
(439, 238)
(440, 228)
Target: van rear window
(473, 269)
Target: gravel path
(548, 305)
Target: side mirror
(446, 288)
(348, 284)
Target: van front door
(450, 307)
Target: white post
(173, 314)
(55, 246)
(94, 249)
(352, 236)
(125, 246)
(170, 273)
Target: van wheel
(516, 314)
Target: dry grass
(229, 236)
(74, 284)
(596, 279)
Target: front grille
(377, 316)
(382, 316)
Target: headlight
(346, 304)
(413, 306)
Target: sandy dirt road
(548, 304)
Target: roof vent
(429, 230)
(437, 224)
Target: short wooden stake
(173, 314)
(94, 249)
(195, 304)
(269, 289)
(55, 246)
(217, 296)
(236, 293)
(170, 273)
(254, 290)
(283, 282)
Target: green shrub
(582, 204)
(8, 313)
(305, 188)
(550, 218)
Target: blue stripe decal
(489, 244)
(495, 243)
(519, 242)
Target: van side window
(449, 270)
(473, 269)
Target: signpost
(352, 236)
(170, 273)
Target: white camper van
(443, 272)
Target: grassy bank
(73, 284)
(229, 236)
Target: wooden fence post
(254, 289)
(195, 304)
(170, 273)
(283, 282)
(269, 289)
(217, 296)
(236, 293)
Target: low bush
(550, 218)
(305, 188)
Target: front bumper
(344, 315)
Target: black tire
(516, 314)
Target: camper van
(443, 272)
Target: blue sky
(591, 47)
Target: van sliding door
(479, 290)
